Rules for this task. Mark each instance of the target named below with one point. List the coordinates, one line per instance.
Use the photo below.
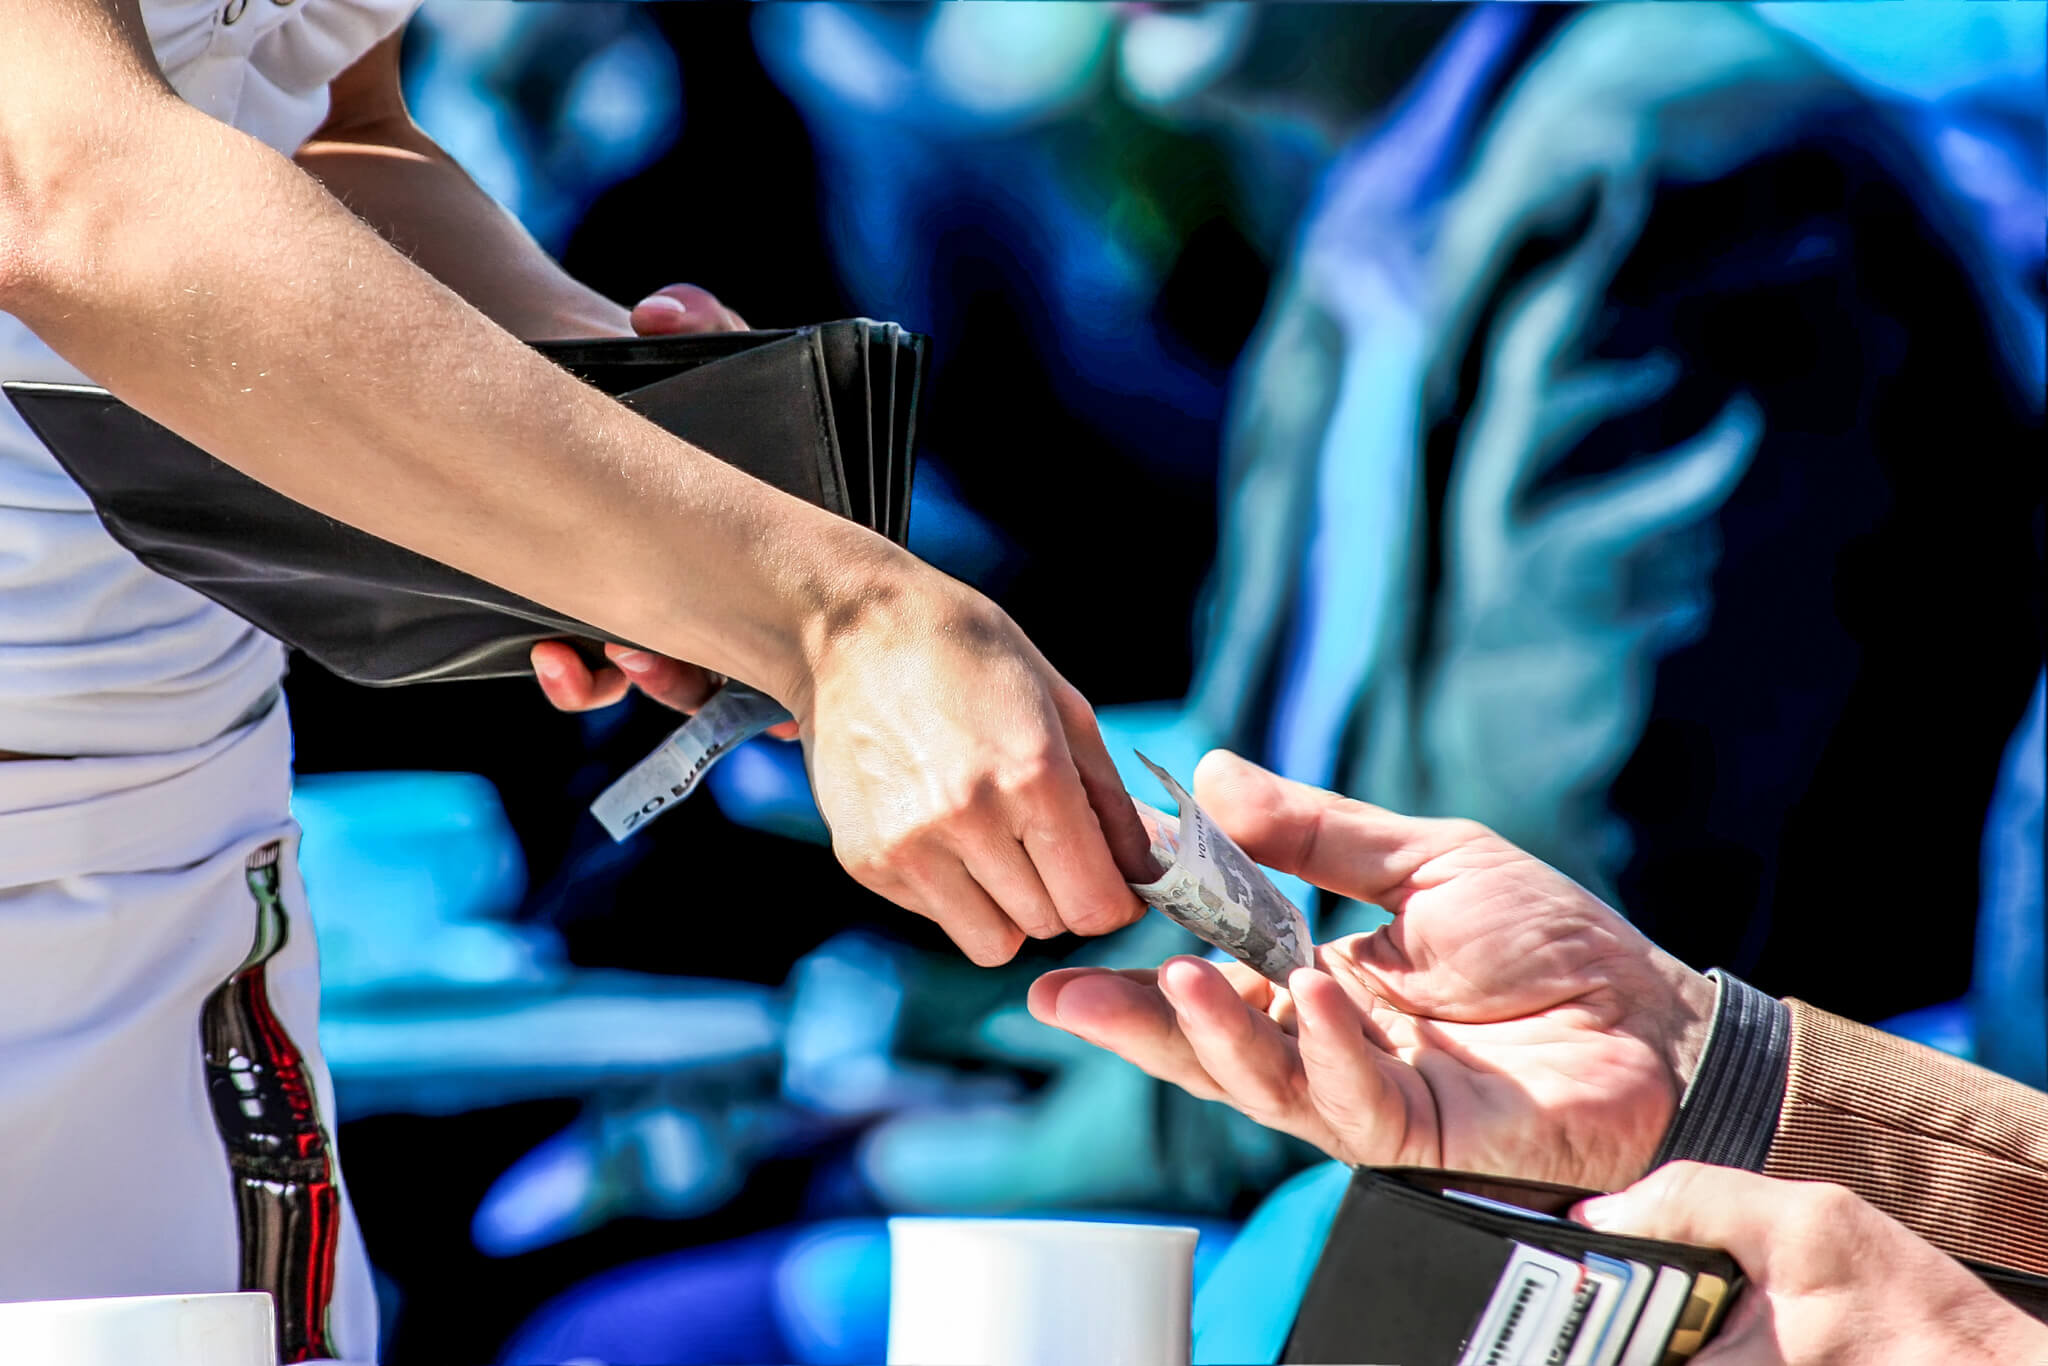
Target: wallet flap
(617, 364)
(381, 614)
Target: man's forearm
(1956, 1153)
(302, 349)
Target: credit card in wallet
(1623, 1287)
(1698, 1320)
(1660, 1315)
(1531, 1303)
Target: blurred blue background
(1621, 425)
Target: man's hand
(568, 682)
(1506, 1020)
(1831, 1279)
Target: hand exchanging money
(1505, 1021)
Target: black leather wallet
(827, 413)
(1434, 1268)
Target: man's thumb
(1692, 1202)
(1348, 847)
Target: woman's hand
(962, 777)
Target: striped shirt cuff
(1729, 1113)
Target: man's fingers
(1124, 989)
(1243, 1051)
(1124, 1013)
(1251, 988)
(1691, 1202)
(1348, 1082)
(1349, 847)
(676, 310)
(569, 683)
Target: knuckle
(992, 951)
(1034, 774)
(1674, 1180)
(966, 807)
(1102, 915)
(868, 862)
(1071, 705)
(1825, 1206)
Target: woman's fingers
(1006, 872)
(1251, 988)
(675, 310)
(971, 918)
(670, 682)
(572, 685)
(569, 683)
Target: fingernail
(634, 661)
(549, 668)
(663, 303)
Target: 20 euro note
(1212, 887)
(728, 719)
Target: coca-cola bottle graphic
(287, 1206)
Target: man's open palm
(1506, 1020)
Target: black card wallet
(827, 413)
(1433, 1268)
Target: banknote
(1212, 887)
(731, 716)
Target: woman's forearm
(228, 296)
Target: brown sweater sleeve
(1956, 1153)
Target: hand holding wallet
(1457, 1269)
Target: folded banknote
(1210, 886)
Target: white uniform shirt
(99, 655)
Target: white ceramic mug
(1038, 1292)
(150, 1330)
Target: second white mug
(1038, 1292)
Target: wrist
(1689, 1022)
(879, 595)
